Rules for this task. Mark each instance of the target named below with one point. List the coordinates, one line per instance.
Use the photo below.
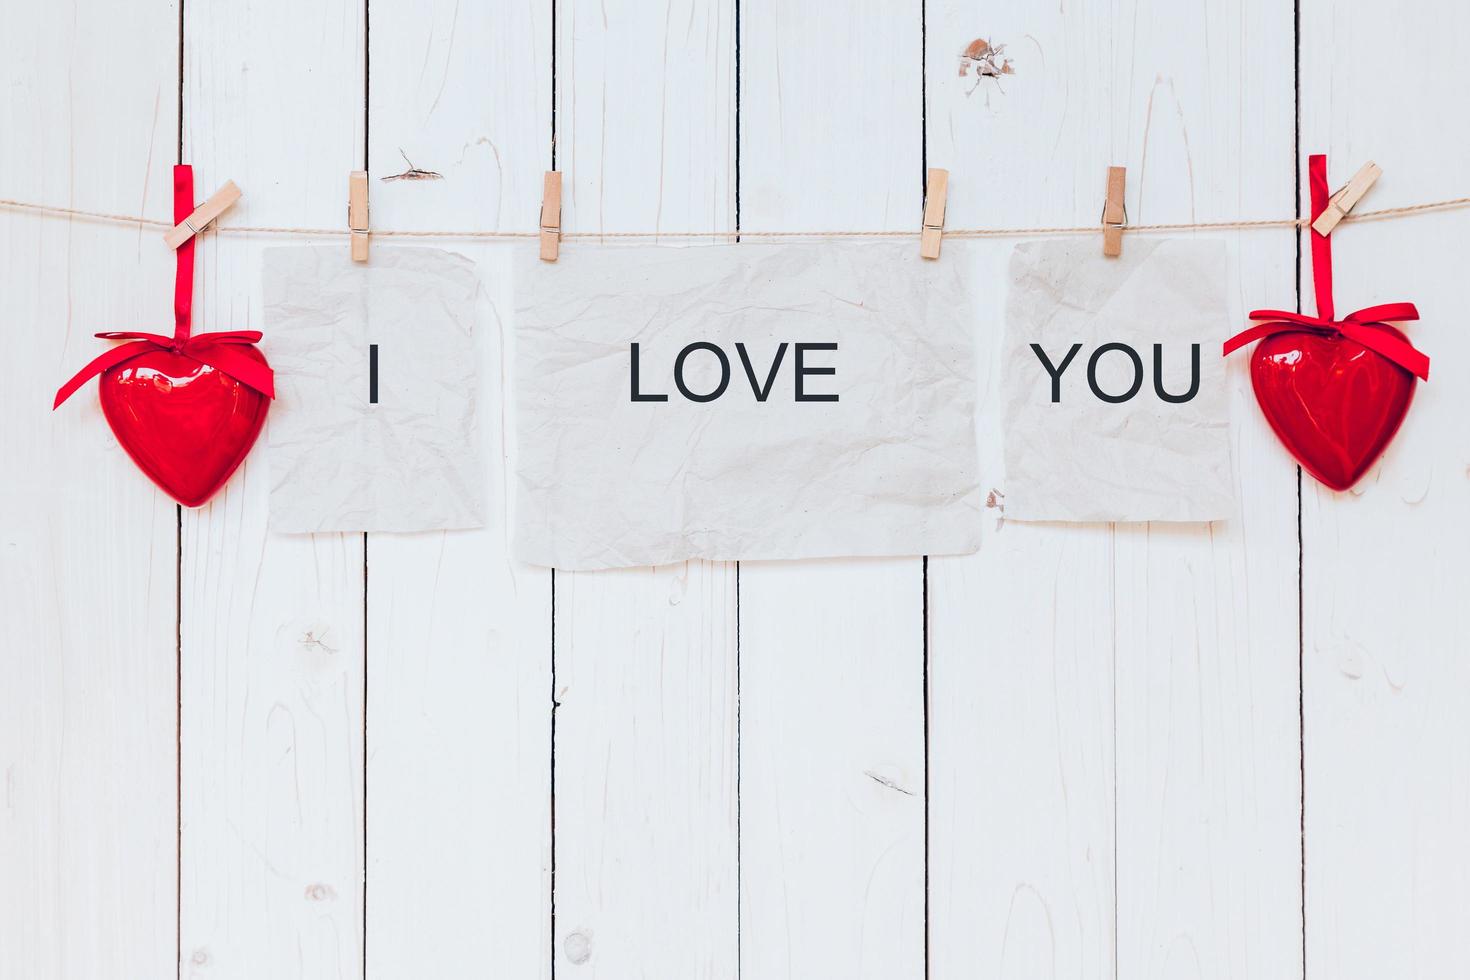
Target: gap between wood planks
(1301, 715)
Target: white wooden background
(1101, 751)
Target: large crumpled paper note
(338, 461)
(606, 481)
(1145, 459)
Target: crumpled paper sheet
(410, 462)
(605, 482)
(1085, 459)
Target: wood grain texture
(645, 757)
(1386, 567)
(87, 545)
(832, 653)
(1155, 799)
(1112, 763)
(1021, 815)
(459, 634)
(1208, 743)
(272, 625)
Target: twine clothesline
(129, 219)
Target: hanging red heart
(187, 409)
(1334, 391)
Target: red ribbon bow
(218, 350)
(1368, 326)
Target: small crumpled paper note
(340, 461)
(1144, 459)
(606, 481)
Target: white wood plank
(1174, 642)
(272, 625)
(459, 635)
(645, 753)
(1386, 568)
(88, 838)
(1208, 752)
(832, 653)
(1021, 872)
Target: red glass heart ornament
(1334, 404)
(1334, 390)
(186, 424)
(186, 408)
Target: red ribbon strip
(1368, 326)
(218, 349)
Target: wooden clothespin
(203, 215)
(934, 201)
(1115, 216)
(357, 213)
(1339, 204)
(551, 216)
